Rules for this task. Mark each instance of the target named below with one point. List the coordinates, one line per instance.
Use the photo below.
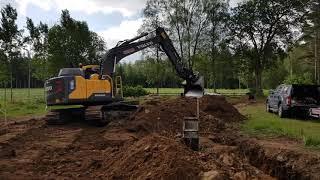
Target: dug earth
(148, 145)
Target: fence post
(4, 109)
(44, 93)
(5, 94)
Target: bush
(306, 78)
(137, 91)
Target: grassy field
(22, 104)
(262, 123)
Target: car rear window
(306, 91)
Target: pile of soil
(148, 145)
(166, 116)
(155, 157)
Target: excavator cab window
(71, 72)
(90, 71)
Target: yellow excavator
(99, 91)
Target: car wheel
(281, 112)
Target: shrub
(306, 78)
(137, 91)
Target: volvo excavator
(99, 90)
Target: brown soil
(147, 145)
(166, 116)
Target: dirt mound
(155, 157)
(148, 146)
(218, 106)
(166, 117)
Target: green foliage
(137, 91)
(275, 75)
(190, 23)
(149, 73)
(10, 40)
(306, 78)
(4, 72)
(9, 33)
(259, 33)
(40, 68)
(71, 42)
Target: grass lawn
(262, 123)
(21, 104)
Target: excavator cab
(90, 70)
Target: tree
(71, 42)
(216, 11)
(311, 36)
(36, 46)
(4, 69)
(10, 39)
(185, 20)
(265, 27)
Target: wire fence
(24, 102)
(21, 95)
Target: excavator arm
(194, 82)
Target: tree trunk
(258, 82)
(5, 94)
(29, 74)
(158, 70)
(315, 60)
(11, 85)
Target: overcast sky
(114, 20)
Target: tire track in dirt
(19, 152)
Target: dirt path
(147, 145)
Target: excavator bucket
(195, 89)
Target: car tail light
(289, 100)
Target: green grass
(23, 108)
(22, 94)
(262, 123)
(22, 104)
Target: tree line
(256, 44)
(31, 55)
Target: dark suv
(293, 99)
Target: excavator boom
(194, 82)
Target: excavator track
(63, 116)
(95, 115)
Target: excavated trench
(147, 145)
